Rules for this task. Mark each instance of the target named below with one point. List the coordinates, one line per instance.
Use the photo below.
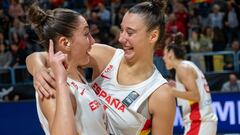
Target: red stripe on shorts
(195, 118)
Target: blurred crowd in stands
(207, 25)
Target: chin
(169, 67)
(128, 56)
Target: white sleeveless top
(196, 111)
(90, 117)
(126, 106)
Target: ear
(154, 34)
(64, 43)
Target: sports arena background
(212, 34)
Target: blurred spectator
(15, 9)
(115, 6)
(233, 85)
(115, 32)
(19, 54)
(104, 14)
(206, 45)
(215, 19)
(5, 57)
(235, 46)
(194, 22)
(219, 40)
(206, 40)
(16, 29)
(204, 9)
(174, 26)
(195, 47)
(4, 23)
(120, 13)
(182, 16)
(96, 25)
(232, 22)
(5, 61)
(228, 59)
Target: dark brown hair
(176, 46)
(153, 13)
(52, 23)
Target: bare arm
(36, 61)
(44, 82)
(188, 77)
(64, 120)
(162, 106)
(101, 55)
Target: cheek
(168, 63)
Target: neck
(176, 63)
(74, 71)
(138, 67)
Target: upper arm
(35, 61)
(188, 77)
(101, 55)
(162, 106)
(48, 108)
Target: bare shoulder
(101, 55)
(161, 98)
(185, 69)
(102, 49)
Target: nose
(92, 40)
(122, 38)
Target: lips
(127, 49)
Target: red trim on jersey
(103, 76)
(147, 125)
(195, 118)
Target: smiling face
(134, 37)
(80, 44)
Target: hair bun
(178, 38)
(161, 4)
(36, 15)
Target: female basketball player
(74, 109)
(135, 95)
(192, 91)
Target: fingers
(38, 91)
(44, 83)
(41, 90)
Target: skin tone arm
(36, 64)
(64, 108)
(162, 106)
(189, 82)
(44, 81)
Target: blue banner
(20, 118)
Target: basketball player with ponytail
(69, 111)
(135, 95)
(192, 91)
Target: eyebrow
(129, 28)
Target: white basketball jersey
(90, 117)
(196, 111)
(126, 106)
